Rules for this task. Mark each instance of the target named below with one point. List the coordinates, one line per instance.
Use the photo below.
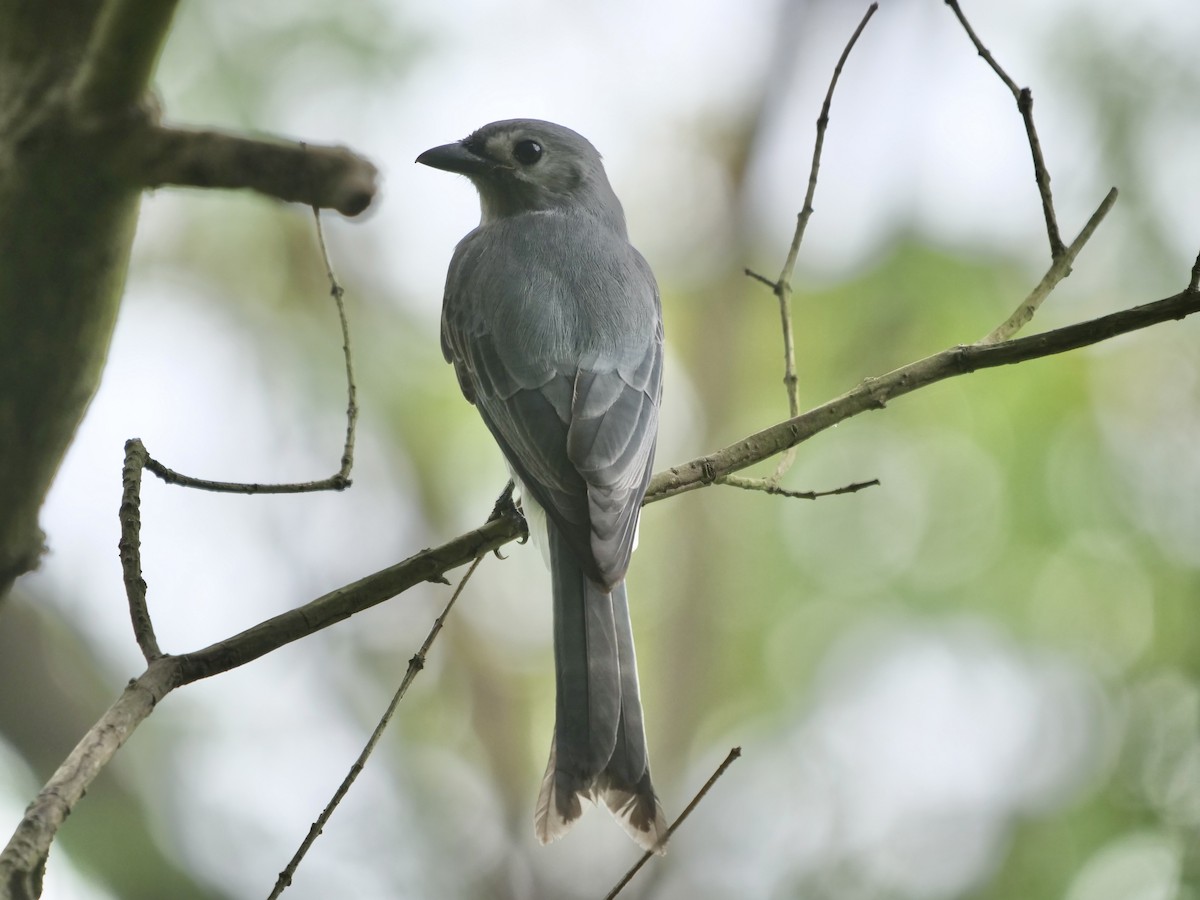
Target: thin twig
(982, 50)
(1059, 269)
(1024, 99)
(782, 284)
(750, 273)
(340, 480)
(170, 476)
(872, 393)
(875, 393)
(700, 794)
(30, 843)
(764, 485)
(338, 293)
(1194, 284)
(781, 287)
(129, 547)
(415, 665)
(23, 859)
(783, 293)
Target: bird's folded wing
(581, 441)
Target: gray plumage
(552, 321)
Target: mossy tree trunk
(66, 227)
(79, 141)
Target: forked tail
(599, 746)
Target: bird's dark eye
(527, 152)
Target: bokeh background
(979, 679)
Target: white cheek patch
(497, 146)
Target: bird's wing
(611, 442)
(578, 432)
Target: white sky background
(922, 133)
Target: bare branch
(24, 858)
(1024, 98)
(324, 177)
(782, 286)
(765, 486)
(874, 393)
(130, 549)
(750, 273)
(121, 55)
(335, 482)
(342, 603)
(27, 850)
(415, 665)
(783, 293)
(78, 145)
(789, 266)
(138, 458)
(700, 795)
(112, 78)
(340, 480)
(1059, 269)
(338, 293)
(983, 51)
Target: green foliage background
(1034, 534)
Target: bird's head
(526, 165)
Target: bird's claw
(506, 507)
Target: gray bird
(552, 321)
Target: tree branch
(115, 66)
(23, 860)
(320, 176)
(24, 856)
(729, 760)
(415, 665)
(338, 293)
(874, 393)
(1024, 98)
(1059, 269)
(78, 145)
(764, 485)
(342, 603)
(129, 547)
(781, 287)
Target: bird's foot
(506, 507)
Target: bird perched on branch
(553, 324)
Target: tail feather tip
(638, 811)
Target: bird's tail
(599, 747)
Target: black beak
(456, 158)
